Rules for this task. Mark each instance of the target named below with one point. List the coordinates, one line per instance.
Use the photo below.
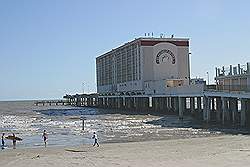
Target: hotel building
(144, 66)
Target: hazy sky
(48, 47)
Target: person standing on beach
(45, 138)
(95, 138)
(2, 141)
(14, 141)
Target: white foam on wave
(20, 124)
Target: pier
(210, 106)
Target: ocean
(64, 126)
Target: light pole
(189, 75)
(207, 78)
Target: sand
(219, 151)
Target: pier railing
(229, 88)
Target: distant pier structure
(153, 74)
(51, 102)
(87, 100)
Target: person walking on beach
(95, 138)
(2, 141)
(14, 141)
(45, 138)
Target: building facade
(233, 78)
(145, 66)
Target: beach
(127, 138)
(226, 150)
(64, 126)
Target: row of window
(119, 66)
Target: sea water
(64, 126)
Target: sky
(48, 48)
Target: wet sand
(226, 150)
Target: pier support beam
(209, 109)
(161, 103)
(156, 103)
(141, 101)
(248, 112)
(173, 104)
(137, 103)
(108, 100)
(206, 108)
(85, 101)
(78, 101)
(213, 104)
(185, 104)
(134, 102)
(118, 102)
(192, 105)
(123, 102)
(213, 111)
(233, 103)
(104, 102)
(169, 104)
(176, 104)
(165, 104)
(199, 104)
(129, 102)
(243, 112)
(181, 107)
(218, 109)
(145, 103)
(225, 110)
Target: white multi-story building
(144, 65)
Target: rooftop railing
(233, 70)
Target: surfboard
(4, 147)
(13, 138)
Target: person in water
(45, 138)
(96, 140)
(14, 141)
(2, 143)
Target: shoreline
(116, 141)
(226, 150)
